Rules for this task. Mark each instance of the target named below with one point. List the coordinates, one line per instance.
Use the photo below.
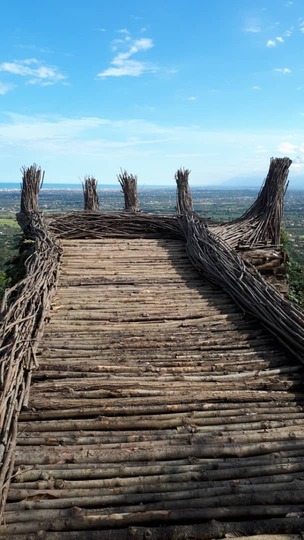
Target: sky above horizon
(87, 88)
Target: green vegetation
(295, 276)
(295, 268)
(10, 237)
(4, 282)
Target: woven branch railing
(91, 201)
(261, 223)
(23, 312)
(96, 225)
(128, 184)
(222, 265)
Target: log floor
(156, 402)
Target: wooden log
(79, 519)
(193, 476)
(85, 454)
(179, 491)
(283, 528)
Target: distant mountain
(239, 182)
(253, 182)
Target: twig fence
(23, 312)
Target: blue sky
(149, 86)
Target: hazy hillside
(254, 182)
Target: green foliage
(4, 282)
(295, 270)
(295, 276)
(9, 247)
(284, 240)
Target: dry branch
(261, 223)
(184, 199)
(91, 201)
(128, 184)
(32, 180)
(222, 265)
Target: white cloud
(287, 148)
(295, 151)
(261, 149)
(78, 134)
(289, 32)
(256, 88)
(273, 42)
(192, 98)
(302, 27)
(71, 147)
(123, 63)
(124, 31)
(5, 87)
(33, 71)
(284, 70)
(253, 29)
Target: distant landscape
(221, 205)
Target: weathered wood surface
(156, 402)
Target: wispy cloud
(49, 133)
(256, 88)
(260, 149)
(192, 98)
(289, 32)
(284, 70)
(287, 148)
(71, 145)
(295, 151)
(123, 63)
(34, 71)
(34, 48)
(5, 88)
(253, 29)
(274, 42)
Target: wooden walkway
(156, 402)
